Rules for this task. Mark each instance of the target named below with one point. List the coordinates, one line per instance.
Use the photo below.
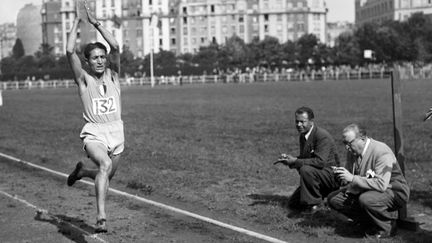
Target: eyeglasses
(349, 144)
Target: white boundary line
(41, 210)
(160, 205)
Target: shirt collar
(365, 147)
(308, 133)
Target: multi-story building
(52, 34)
(184, 26)
(7, 39)
(29, 28)
(204, 21)
(57, 20)
(375, 11)
(337, 28)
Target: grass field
(209, 147)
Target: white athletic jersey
(101, 104)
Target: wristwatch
(96, 24)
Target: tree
(27, 64)
(267, 52)
(126, 60)
(289, 54)
(307, 48)
(233, 54)
(18, 49)
(207, 56)
(419, 29)
(8, 65)
(44, 50)
(347, 50)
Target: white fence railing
(205, 79)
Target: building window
(184, 20)
(266, 17)
(160, 42)
(173, 41)
(279, 17)
(241, 29)
(266, 28)
(241, 19)
(212, 8)
(173, 30)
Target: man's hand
(287, 160)
(91, 19)
(343, 174)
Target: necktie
(357, 165)
(302, 143)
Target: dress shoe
(381, 234)
(310, 210)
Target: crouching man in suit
(314, 163)
(375, 185)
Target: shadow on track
(72, 228)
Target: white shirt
(365, 147)
(309, 132)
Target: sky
(339, 10)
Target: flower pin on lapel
(370, 174)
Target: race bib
(104, 106)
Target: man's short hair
(91, 46)
(307, 110)
(359, 131)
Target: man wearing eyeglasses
(375, 185)
(314, 164)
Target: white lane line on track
(160, 205)
(44, 211)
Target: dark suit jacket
(318, 151)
